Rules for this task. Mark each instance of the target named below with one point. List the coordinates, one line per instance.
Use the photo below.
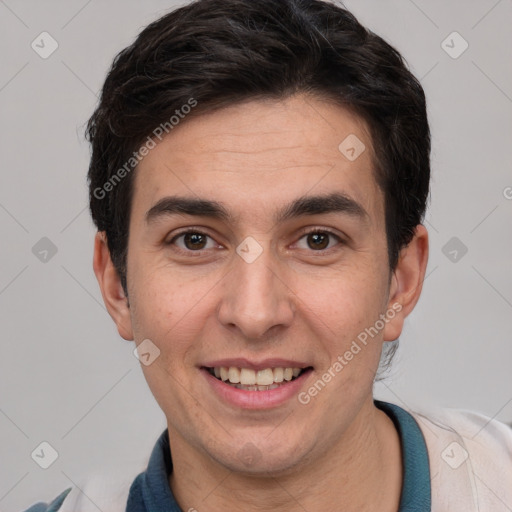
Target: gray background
(65, 375)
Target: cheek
(172, 314)
(344, 303)
(170, 309)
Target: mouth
(249, 379)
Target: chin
(261, 458)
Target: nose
(256, 300)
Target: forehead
(258, 155)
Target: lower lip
(256, 399)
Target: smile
(255, 380)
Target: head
(287, 126)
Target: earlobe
(407, 282)
(111, 288)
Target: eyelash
(312, 231)
(309, 231)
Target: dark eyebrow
(315, 205)
(306, 205)
(187, 206)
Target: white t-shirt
(469, 457)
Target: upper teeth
(249, 377)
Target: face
(257, 251)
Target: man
(258, 178)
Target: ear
(406, 282)
(111, 288)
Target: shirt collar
(151, 491)
(416, 492)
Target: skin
(338, 452)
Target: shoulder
(100, 491)
(470, 457)
(105, 489)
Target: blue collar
(416, 494)
(150, 490)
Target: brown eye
(194, 241)
(318, 241)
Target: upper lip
(241, 362)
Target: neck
(362, 471)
